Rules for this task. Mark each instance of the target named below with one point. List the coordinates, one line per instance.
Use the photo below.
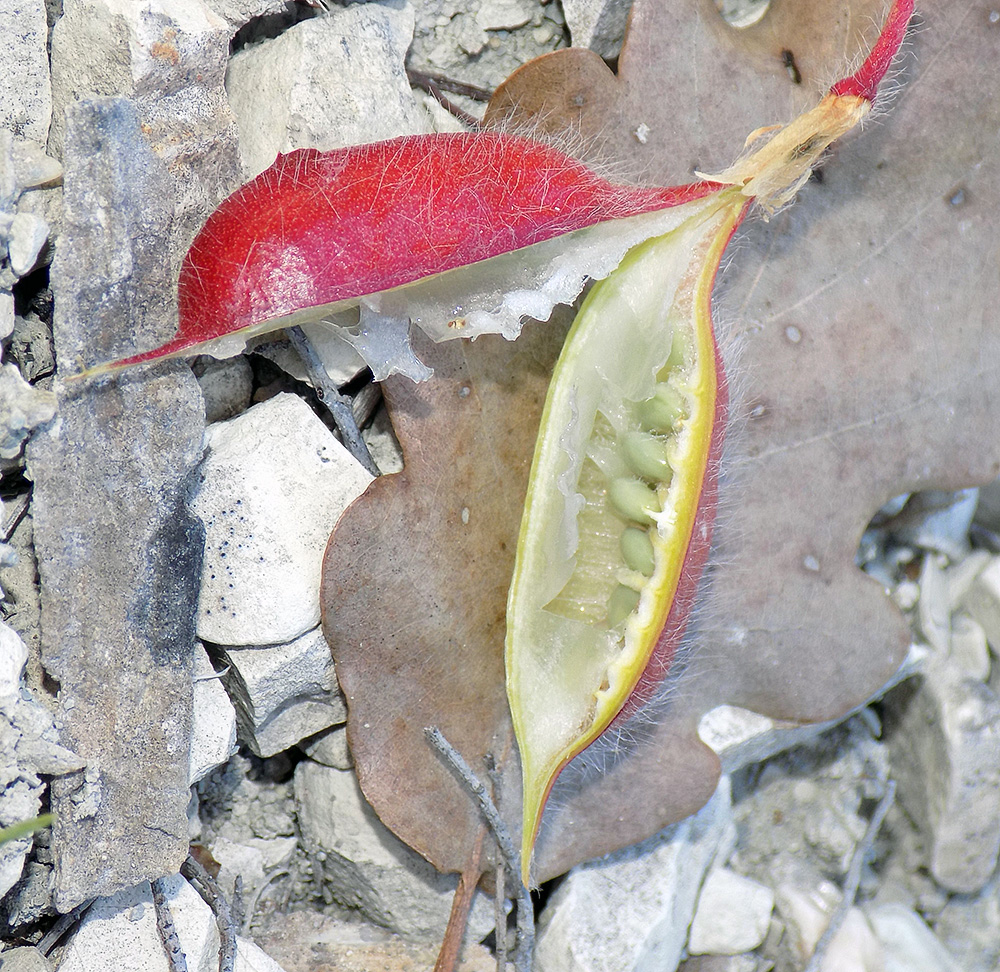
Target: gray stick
(339, 405)
(853, 878)
(167, 929)
(209, 889)
(512, 858)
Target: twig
(339, 405)
(500, 916)
(853, 878)
(512, 858)
(451, 946)
(14, 520)
(63, 925)
(209, 889)
(423, 80)
(167, 929)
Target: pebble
(26, 237)
(274, 482)
(292, 691)
(213, 720)
(226, 386)
(24, 959)
(630, 911)
(330, 748)
(367, 867)
(119, 932)
(251, 860)
(732, 916)
(325, 83)
(23, 408)
(909, 945)
(982, 600)
(597, 24)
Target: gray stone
(630, 911)
(982, 600)
(251, 860)
(325, 83)
(274, 482)
(226, 386)
(969, 648)
(119, 557)
(909, 945)
(365, 866)
(27, 236)
(24, 960)
(287, 692)
(170, 59)
(330, 748)
(597, 24)
(239, 12)
(213, 720)
(969, 927)
(119, 933)
(25, 95)
(944, 755)
(732, 916)
(23, 407)
(939, 521)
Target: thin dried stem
(508, 849)
(208, 888)
(167, 929)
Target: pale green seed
(633, 499)
(664, 410)
(647, 456)
(637, 550)
(680, 350)
(621, 604)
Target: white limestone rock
(630, 911)
(226, 386)
(944, 755)
(213, 720)
(367, 867)
(25, 95)
(274, 482)
(909, 945)
(239, 12)
(251, 860)
(732, 916)
(120, 933)
(291, 689)
(982, 601)
(23, 407)
(325, 83)
(27, 235)
(330, 748)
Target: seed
(637, 550)
(647, 456)
(681, 350)
(633, 499)
(621, 604)
(664, 410)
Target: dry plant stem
(339, 405)
(451, 947)
(14, 521)
(500, 915)
(508, 849)
(63, 925)
(209, 889)
(423, 80)
(853, 878)
(168, 931)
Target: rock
(938, 521)
(909, 945)
(226, 386)
(118, 555)
(288, 692)
(982, 601)
(274, 482)
(27, 236)
(365, 866)
(732, 916)
(383, 444)
(23, 408)
(119, 932)
(597, 24)
(239, 12)
(25, 95)
(969, 928)
(341, 361)
(330, 748)
(724, 963)
(24, 960)
(969, 649)
(631, 910)
(324, 83)
(934, 610)
(504, 14)
(170, 59)
(251, 860)
(31, 347)
(29, 747)
(944, 755)
(213, 720)
(806, 914)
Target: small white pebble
(465, 515)
(810, 563)
(642, 133)
(994, 16)
(793, 334)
